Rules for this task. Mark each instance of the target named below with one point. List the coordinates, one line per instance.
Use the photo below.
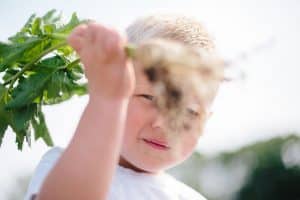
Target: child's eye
(193, 109)
(192, 112)
(147, 96)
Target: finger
(94, 29)
(76, 38)
(114, 45)
(101, 36)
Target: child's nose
(158, 121)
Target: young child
(119, 149)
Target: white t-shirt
(126, 185)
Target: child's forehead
(142, 81)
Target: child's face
(145, 123)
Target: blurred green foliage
(261, 171)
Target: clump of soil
(180, 75)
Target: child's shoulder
(53, 152)
(184, 191)
(44, 166)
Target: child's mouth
(156, 144)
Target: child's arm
(86, 168)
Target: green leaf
(71, 25)
(40, 128)
(66, 51)
(49, 28)
(20, 123)
(19, 38)
(74, 75)
(80, 89)
(36, 27)
(30, 89)
(61, 87)
(10, 54)
(3, 49)
(21, 135)
(20, 139)
(53, 62)
(28, 136)
(47, 18)
(3, 127)
(22, 116)
(47, 73)
(3, 114)
(50, 18)
(71, 88)
(24, 33)
(35, 51)
(9, 73)
(27, 26)
(55, 90)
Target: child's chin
(153, 168)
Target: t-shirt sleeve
(41, 171)
(188, 193)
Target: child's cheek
(135, 116)
(188, 143)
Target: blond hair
(183, 29)
(180, 28)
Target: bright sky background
(266, 104)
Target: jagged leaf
(40, 128)
(30, 89)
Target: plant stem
(129, 48)
(73, 63)
(59, 36)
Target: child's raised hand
(101, 50)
